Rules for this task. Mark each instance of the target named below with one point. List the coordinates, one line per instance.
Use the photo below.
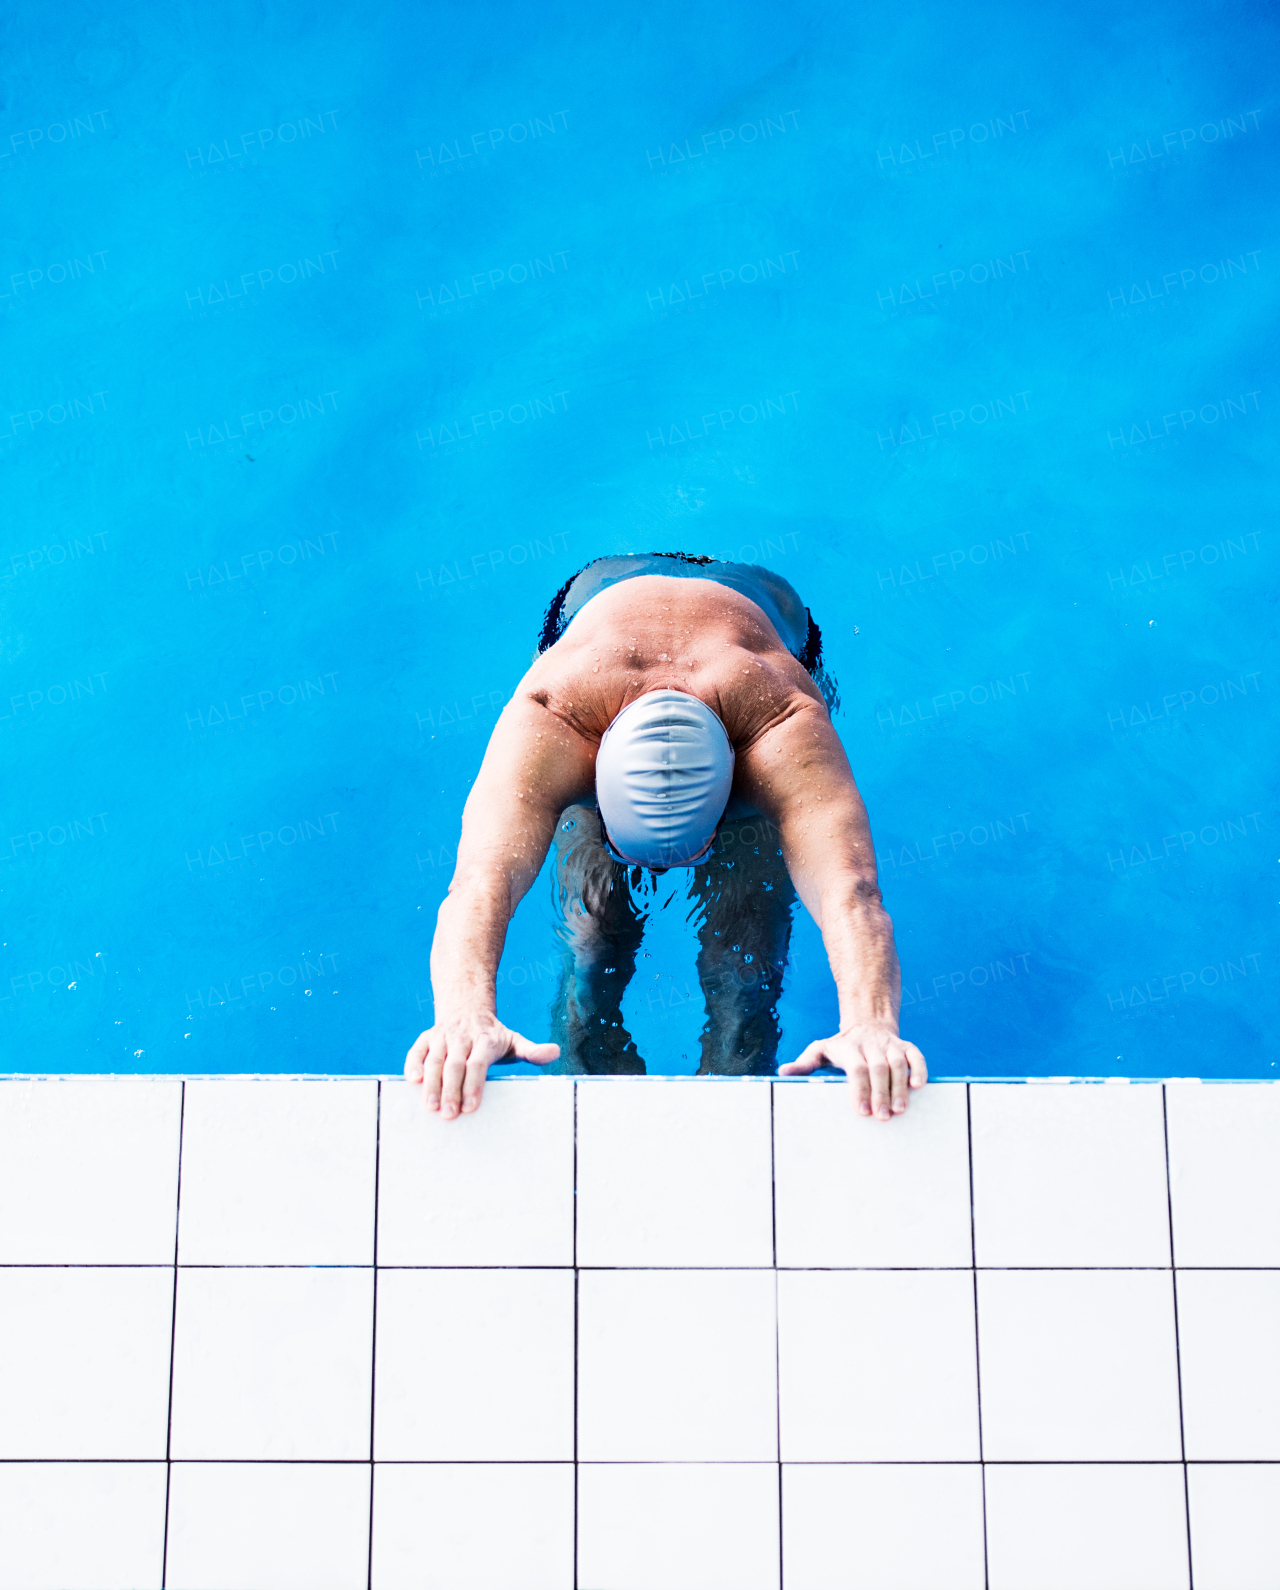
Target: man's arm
(534, 767)
(797, 774)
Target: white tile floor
(638, 1335)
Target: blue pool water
(338, 338)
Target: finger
(414, 1059)
(860, 1082)
(899, 1072)
(804, 1063)
(919, 1070)
(473, 1083)
(451, 1078)
(880, 1095)
(432, 1066)
(540, 1054)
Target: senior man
(677, 715)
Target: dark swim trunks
(777, 599)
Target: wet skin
(658, 633)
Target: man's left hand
(882, 1067)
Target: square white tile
(1078, 1365)
(82, 1526)
(474, 1365)
(674, 1173)
(1083, 1526)
(1068, 1176)
(857, 1192)
(864, 1526)
(273, 1364)
(491, 1188)
(1224, 1144)
(268, 1526)
(877, 1365)
(84, 1362)
(278, 1171)
(677, 1366)
(1235, 1525)
(678, 1526)
(473, 1526)
(89, 1171)
(1228, 1330)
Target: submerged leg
(746, 896)
(601, 928)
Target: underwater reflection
(741, 902)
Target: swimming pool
(335, 351)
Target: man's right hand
(451, 1060)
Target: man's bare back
(696, 636)
(655, 633)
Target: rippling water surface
(337, 341)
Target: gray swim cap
(663, 775)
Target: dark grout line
(977, 1348)
(1177, 1338)
(773, 1178)
(788, 1269)
(777, 1324)
(576, 1283)
(757, 1463)
(173, 1337)
(373, 1343)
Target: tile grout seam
(173, 1339)
(373, 1322)
(777, 1324)
(977, 1351)
(1177, 1337)
(575, 1331)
